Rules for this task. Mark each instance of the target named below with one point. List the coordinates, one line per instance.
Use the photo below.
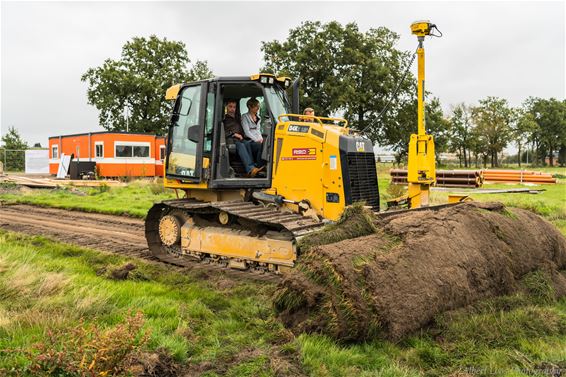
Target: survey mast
(421, 162)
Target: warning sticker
(333, 163)
(302, 154)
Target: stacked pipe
(444, 178)
(519, 176)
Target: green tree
(546, 127)
(12, 150)
(562, 150)
(132, 89)
(344, 70)
(524, 128)
(550, 115)
(493, 121)
(461, 126)
(534, 138)
(478, 147)
(437, 125)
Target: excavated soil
(416, 265)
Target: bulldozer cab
(198, 151)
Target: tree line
(478, 134)
(359, 75)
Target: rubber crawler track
(116, 234)
(255, 216)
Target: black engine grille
(363, 178)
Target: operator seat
(237, 168)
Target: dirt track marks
(110, 233)
(103, 232)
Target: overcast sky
(507, 49)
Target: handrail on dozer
(302, 118)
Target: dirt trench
(416, 265)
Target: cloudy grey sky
(508, 49)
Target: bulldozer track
(256, 216)
(110, 233)
(260, 218)
(296, 224)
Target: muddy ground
(416, 265)
(116, 234)
(103, 232)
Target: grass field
(134, 199)
(217, 326)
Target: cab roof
(173, 91)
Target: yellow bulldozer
(316, 166)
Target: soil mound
(157, 364)
(415, 265)
(122, 272)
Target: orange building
(117, 154)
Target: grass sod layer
(354, 222)
(416, 266)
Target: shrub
(86, 350)
(103, 188)
(157, 187)
(395, 191)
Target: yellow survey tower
(421, 162)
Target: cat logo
(360, 146)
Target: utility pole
(127, 116)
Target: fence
(13, 159)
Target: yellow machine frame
(320, 167)
(321, 151)
(421, 168)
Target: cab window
(182, 154)
(208, 134)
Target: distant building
(555, 159)
(448, 157)
(384, 157)
(117, 154)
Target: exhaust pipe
(295, 101)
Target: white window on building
(141, 150)
(54, 151)
(131, 150)
(99, 149)
(162, 152)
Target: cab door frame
(199, 145)
(232, 183)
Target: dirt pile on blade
(415, 265)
